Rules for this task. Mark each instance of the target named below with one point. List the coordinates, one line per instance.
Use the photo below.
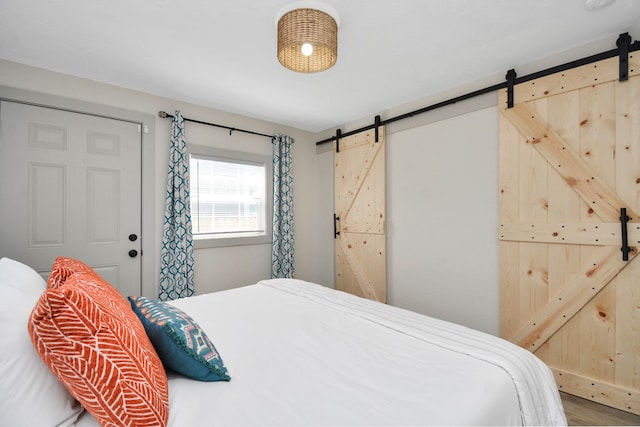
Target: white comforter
(301, 354)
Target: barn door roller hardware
(336, 233)
(623, 43)
(625, 243)
(511, 81)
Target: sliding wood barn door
(569, 161)
(360, 215)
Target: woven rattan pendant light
(307, 40)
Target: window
(231, 197)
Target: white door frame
(148, 258)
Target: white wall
(218, 268)
(442, 217)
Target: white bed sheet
(300, 354)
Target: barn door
(569, 161)
(360, 215)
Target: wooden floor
(581, 412)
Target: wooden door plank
(628, 186)
(597, 335)
(509, 251)
(575, 233)
(597, 150)
(564, 207)
(582, 178)
(534, 257)
(627, 148)
(627, 335)
(604, 71)
(576, 294)
(614, 395)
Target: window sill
(221, 242)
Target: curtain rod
(166, 115)
(567, 66)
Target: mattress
(302, 354)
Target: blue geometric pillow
(181, 344)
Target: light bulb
(307, 49)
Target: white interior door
(70, 185)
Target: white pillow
(30, 395)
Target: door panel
(74, 182)
(569, 160)
(360, 215)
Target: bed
(299, 353)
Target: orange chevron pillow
(63, 268)
(87, 334)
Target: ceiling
(222, 54)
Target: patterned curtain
(176, 264)
(283, 250)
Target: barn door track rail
(625, 46)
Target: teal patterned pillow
(181, 344)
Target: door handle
(624, 219)
(133, 253)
